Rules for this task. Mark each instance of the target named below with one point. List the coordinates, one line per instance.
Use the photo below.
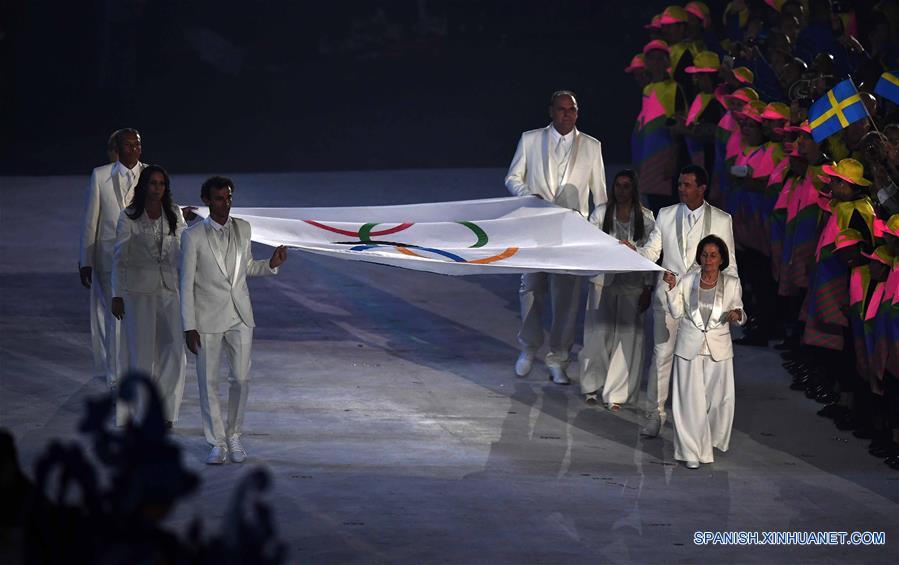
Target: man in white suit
(677, 232)
(108, 193)
(560, 164)
(216, 312)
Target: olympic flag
(492, 236)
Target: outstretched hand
(188, 213)
(278, 257)
(670, 279)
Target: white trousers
(564, 291)
(237, 344)
(156, 344)
(703, 406)
(612, 357)
(658, 382)
(107, 335)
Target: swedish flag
(888, 86)
(834, 111)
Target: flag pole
(864, 106)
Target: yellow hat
(745, 94)
(849, 170)
(700, 10)
(892, 225)
(744, 75)
(753, 110)
(704, 62)
(776, 111)
(674, 15)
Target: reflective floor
(384, 404)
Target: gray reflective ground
(385, 406)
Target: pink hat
(637, 63)
(803, 127)
(655, 23)
(656, 44)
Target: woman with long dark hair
(145, 285)
(615, 304)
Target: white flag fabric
(472, 237)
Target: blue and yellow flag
(888, 86)
(835, 110)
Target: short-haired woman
(145, 285)
(706, 302)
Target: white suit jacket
(670, 235)
(206, 289)
(139, 265)
(105, 201)
(692, 333)
(531, 173)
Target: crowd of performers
(816, 225)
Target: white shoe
(592, 399)
(558, 376)
(523, 364)
(238, 453)
(653, 424)
(217, 455)
(692, 464)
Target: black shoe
(883, 448)
(827, 397)
(789, 355)
(846, 422)
(865, 432)
(832, 411)
(892, 462)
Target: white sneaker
(692, 464)
(217, 455)
(558, 376)
(238, 453)
(523, 364)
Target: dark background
(276, 85)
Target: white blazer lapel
(238, 251)
(220, 260)
(545, 149)
(116, 179)
(681, 241)
(572, 160)
(695, 314)
(718, 306)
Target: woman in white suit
(145, 286)
(705, 302)
(612, 356)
